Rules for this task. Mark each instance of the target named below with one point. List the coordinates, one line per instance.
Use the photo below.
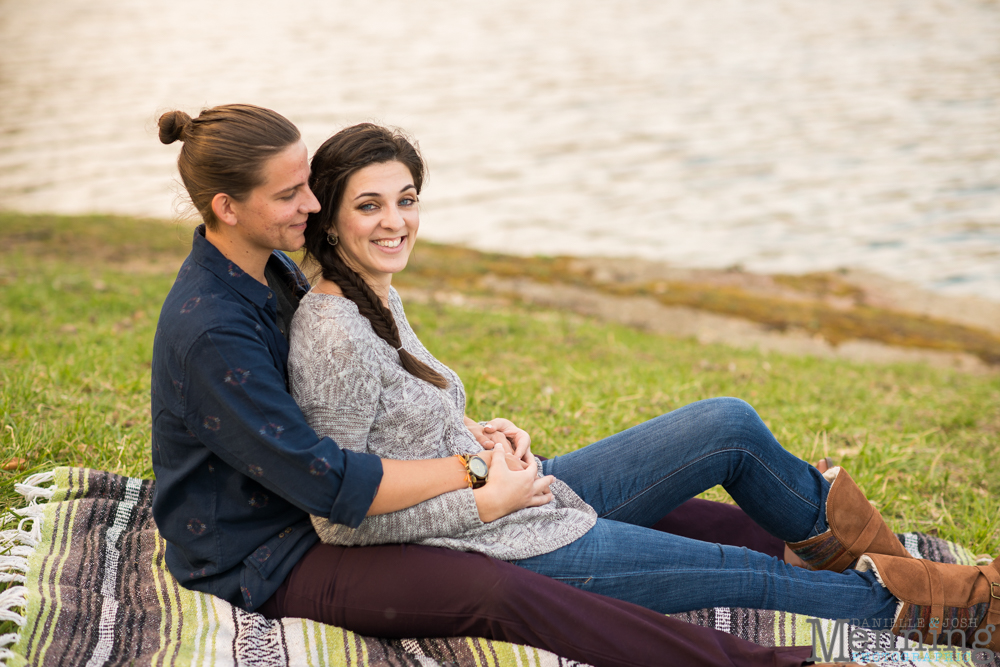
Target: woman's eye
(367, 207)
(408, 201)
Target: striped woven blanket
(87, 585)
(92, 589)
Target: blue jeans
(635, 477)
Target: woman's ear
(224, 208)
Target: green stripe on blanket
(94, 590)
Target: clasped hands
(513, 480)
(503, 432)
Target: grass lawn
(80, 296)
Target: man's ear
(224, 208)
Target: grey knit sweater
(352, 387)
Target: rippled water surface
(781, 135)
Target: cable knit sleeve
(337, 375)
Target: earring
(332, 239)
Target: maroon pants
(417, 591)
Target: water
(780, 135)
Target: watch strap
(474, 481)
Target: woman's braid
(370, 305)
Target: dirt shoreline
(876, 289)
(854, 315)
(609, 301)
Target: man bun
(225, 149)
(172, 126)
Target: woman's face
(275, 212)
(377, 221)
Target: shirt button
(270, 295)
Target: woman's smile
(389, 244)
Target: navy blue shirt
(238, 469)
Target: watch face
(477, 467)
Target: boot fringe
(864, 565)
(831, 476)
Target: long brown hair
(225, 149)
(339, 157)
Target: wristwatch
(476, 470)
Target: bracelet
(465, 464)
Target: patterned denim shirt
(238, 469)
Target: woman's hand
(501, 431)
(518, 437)
(489, 438)
(476, 429)
(509, 489)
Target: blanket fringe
(13, 569)
(31, 489)
(5, 641)
(16, 547)
(15, 596)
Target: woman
(362, 377)
(239, 471)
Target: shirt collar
(208, 256)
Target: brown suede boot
(856, 528)
(958, 605)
